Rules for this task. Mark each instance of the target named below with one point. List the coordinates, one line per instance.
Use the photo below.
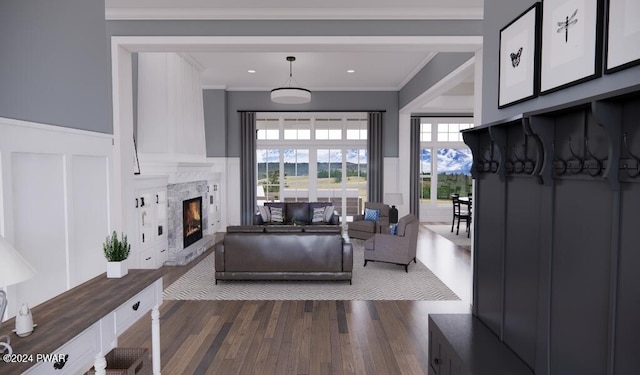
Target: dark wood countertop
(478, 347)
(63, 317)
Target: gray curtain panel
(414, 165)
(248, 204)
(375, 153)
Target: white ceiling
(319, 65)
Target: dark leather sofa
(302, 212)
(284, 252)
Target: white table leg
(155, 339)
(100, 364)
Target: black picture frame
(622, 35)
(519, 58)
(571, 50)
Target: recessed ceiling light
(251, 71)
(351, 71)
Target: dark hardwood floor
(300, 337)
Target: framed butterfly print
(571, 43)
(519, 58)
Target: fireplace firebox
(192, 220)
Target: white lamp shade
(290, 95)
(13, 267)
(394, 199)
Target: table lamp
(393, 199)
(13, 269)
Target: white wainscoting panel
(39, 220)
(55, 207)
(88, 216)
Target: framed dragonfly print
(623, 35)
(571, 43)
(519, 58)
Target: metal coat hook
(520, 162)
(578, 159)
(590, 155)
(490, 165)
(516, 164)
(563, 163)
(630, 172)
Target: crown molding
(422, 13)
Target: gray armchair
(364, 229)
(397, 249)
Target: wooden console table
(78, 327)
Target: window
(296, 175)
(268, 188)
(297, 129)
(268, 129)
(450, 171)
(313, 157)
(356, 129)
(450, 132)
(328, 129)
(425, 174)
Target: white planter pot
(116, 270)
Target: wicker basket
(126, 361)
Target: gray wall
(497, 14)
(320, 101)
(54, 64)
(304, 28)
(439, 67)
(215, 119)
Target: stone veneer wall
(176, 194)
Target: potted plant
(116, 251)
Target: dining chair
(461, 212)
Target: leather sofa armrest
(347, 257)
(257, 219)
(335, 219)
(219, 266)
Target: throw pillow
(328, 213)
(394, 229)
(265, 213)
(318, 215)
(371, 215)
(276, 215)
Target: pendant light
(289, 94)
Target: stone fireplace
(187, 219)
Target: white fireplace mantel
(180, 171)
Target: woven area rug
(377, 281)
(444, 230)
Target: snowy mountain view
(450, 160)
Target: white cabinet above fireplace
(149, 248)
